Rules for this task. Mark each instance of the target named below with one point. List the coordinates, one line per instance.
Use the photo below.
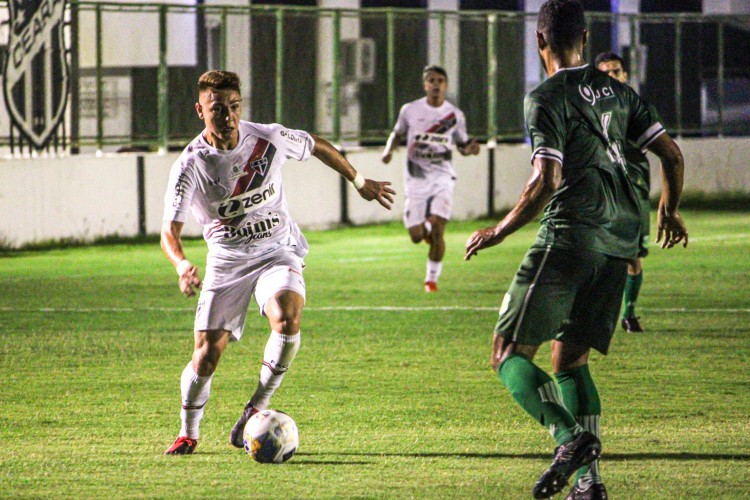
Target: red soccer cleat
(183, 445)
(430, 286)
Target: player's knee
(416, 234)
(288, 324)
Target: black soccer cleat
(183, 445)
(235, 436)
(591, 492)
(631, 324)
(569, 457)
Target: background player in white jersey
(431, 126)
(229, 176)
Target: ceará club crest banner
(36, 74)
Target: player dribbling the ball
(229, 176)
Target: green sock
(582, 400)
(630, 297)
(539, 395)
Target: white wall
(46, 199)
(86, 197)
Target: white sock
(433, 270)
(427, 227)
(195, 392)
(277, 358)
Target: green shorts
(571, 296)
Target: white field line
(720, 237)
(87, 310)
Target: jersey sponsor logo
(433, 156)
(242, 204)
(179, 190)
(254, 230)
(430, 138)
(291, 137)
(592, 95)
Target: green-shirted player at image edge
(638, 168)
(569, 286)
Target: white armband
(183, 266)
(358, 182)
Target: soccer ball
(271, 436)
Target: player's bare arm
(469, 148)
(370, 190)
(171, 245)
(391, 145)
(544, 181)
(669, 223)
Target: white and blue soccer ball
(271, 437)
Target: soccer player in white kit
(229, 176)
(431, 125)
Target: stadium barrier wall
(85, 198)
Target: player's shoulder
(546, 94)
(277, 134)
(194, 151)
(414, 105)
(451, 106)
(253, 129)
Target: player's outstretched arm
(469, 148)
(367, 188)
(544, 181)
(171, 245)
(391, 145)
(669, 223)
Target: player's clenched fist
(190, 281)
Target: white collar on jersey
(570, 69)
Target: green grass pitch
(392, 388)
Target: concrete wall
(85, 197)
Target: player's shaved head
(218, 80)
(562, 23)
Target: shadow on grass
(546, 456)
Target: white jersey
(237, 195)
(430, 133)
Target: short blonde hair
(218, 80)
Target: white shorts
(430, 196)
(230, 282)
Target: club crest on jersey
(260, 166)
(36, 73)
(592, 96)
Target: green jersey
(638, 167)
(583, 119)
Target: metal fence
(344, 74)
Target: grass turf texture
(393, 397)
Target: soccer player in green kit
(569, 285)
(638, 167)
